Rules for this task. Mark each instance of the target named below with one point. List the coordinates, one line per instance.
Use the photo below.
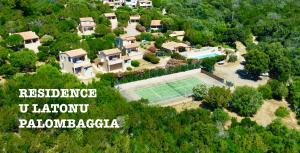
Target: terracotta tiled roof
(156, 23)
(86, 19)
(127, 37)
(28, 35)
(75, 52)
(111, 51)
(135, 17)
(109, 14)
(171, 45)
(177, 33)
(130, 46)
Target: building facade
(76, 62)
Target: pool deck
(128, 90)
(204, 53)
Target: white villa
(111, 60)
(76, 62)
(131, 3)
(178, 34)
(174, 47)
(113, 20)
(155, 25)
(114, 4)
(134, 19)
(87, 26)
(31, 40)
(145, 3)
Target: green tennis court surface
(169, 90)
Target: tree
(118, 31)
(257, 62)
(43, 53)
(279, 90)
(295, 95)
(102, 29)
(219, 115)
(14, 41)
(24, 60)
(265, 91)
(246, 101)
(145, 36)
(280, 69)
(3, 55)
(47, 40)
(200, 91)
(65, 41)
(217, 97)
(7, 70)
(209, 63)
(52, 61)
(296, 66)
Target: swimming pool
(204, 56)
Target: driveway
(130, 29)
(231, 71)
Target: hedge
(151, 58)
(150, 73)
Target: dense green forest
(145, 128)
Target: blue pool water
(205, 56)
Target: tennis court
(168, 90)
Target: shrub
(246, 101)
(219, 115)
(129, 68)
(200, 91)
(282, 112)
(217, 97)
(232, 58)
(151, 58)
(159, 41)
(135, 63)
(140, 28)
(109, 77)
(177, 56)
(265, 91)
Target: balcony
(114, 61)
(81, 63)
